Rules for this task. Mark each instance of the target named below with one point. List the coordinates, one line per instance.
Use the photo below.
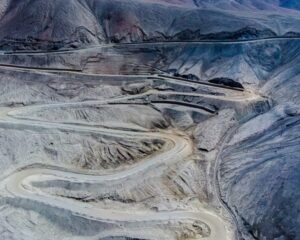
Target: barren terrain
(149, 120)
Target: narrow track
(216, 179)
(19, 184)
(242, 41)
(202, 83)
(81, 72)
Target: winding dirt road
(179, 146)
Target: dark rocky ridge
(76, 23)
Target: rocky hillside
(182, 107)
(60, 24)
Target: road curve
(19, 184)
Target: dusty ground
(142, 129)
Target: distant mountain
(57, 24)
(237, 4)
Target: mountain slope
(76, 23)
